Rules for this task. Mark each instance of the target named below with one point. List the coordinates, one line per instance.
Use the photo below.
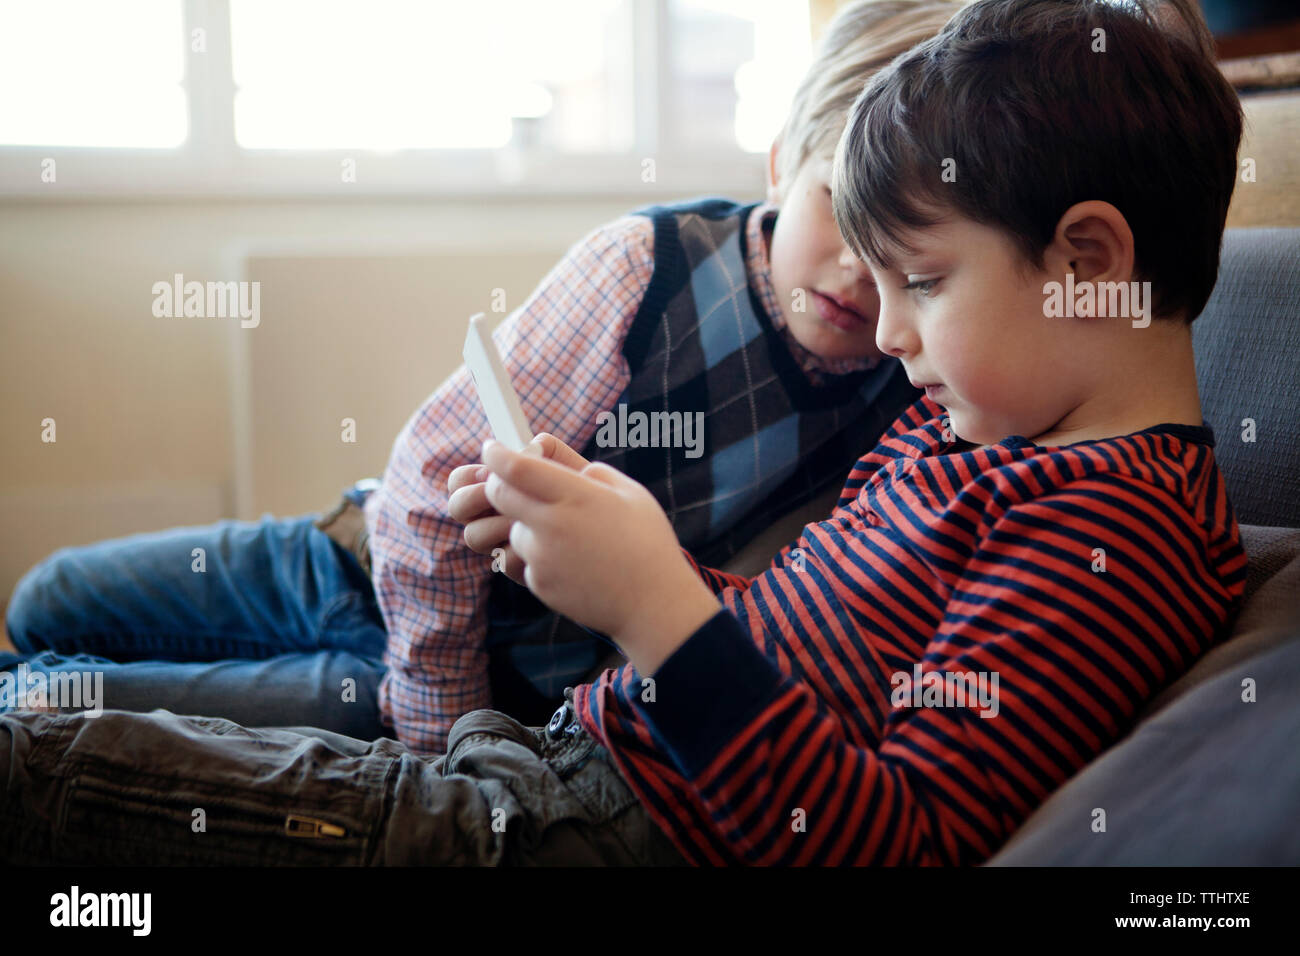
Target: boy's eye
(924, 286)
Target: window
(420, 96)
(408, 74)
(735, 66)
(80, 73)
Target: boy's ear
(773, 182)
(1093, 240)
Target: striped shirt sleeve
(562, 348)
(716, 580)
(1069, 639)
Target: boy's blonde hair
(862, 37)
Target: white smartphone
(504, 413)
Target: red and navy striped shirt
(1070, 583)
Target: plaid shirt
(563, 350)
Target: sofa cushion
(1246, 342)
(1204, 777)
(1210, 780)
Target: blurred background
(383, 170)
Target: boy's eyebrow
(918, 244)
(891, 251)
(884, 265)
(890, 257)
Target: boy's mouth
(839, 313)
(931, 388)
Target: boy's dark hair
(1037, 118)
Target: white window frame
(210, 162)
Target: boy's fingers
(522, 541)
(485, 534)
(514, 566)
(605, 474)
(465, 475)
(512, 503)
(560, 453)
(469, 502)
(539, 479)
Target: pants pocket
(170, 821)
(158, 788)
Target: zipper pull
(311, 827)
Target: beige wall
(164, 422)
(1272, 139)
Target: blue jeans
(281, 628)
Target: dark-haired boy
(1030, 553)
(1047, 525)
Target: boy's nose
(893, 338)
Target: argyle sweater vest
(718, 421)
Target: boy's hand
(485, 529)
(597, 547)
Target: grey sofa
(1203, 777)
